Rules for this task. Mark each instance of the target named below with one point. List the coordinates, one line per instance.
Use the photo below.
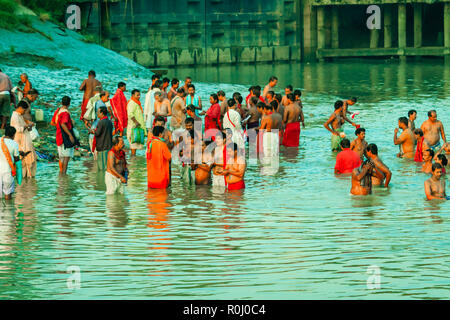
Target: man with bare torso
(336, 120)
(287, 90)
(435, 186)
(178, 107)
(292, 117)
(223, 104)
(88, 85)
(433, 129)
(203, 170)
(235, 169)
(406, 139)
(162, 106)
(381, 172)
(362, 179)
(269, 87)
(359, 144)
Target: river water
(293, 234)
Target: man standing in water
(193, 99)
(359, 144)
(291, 120)
(30, 97)
(336, 120)
(362, 179)
(235, 169)
(270, 86)
(158, 158)
(287, 90)
(119, 108)
(434, 186)
(187, 83)
(412, 115)
(88, 86)
(173, 89)
(6, 98)
(433, 129)
(178, 107)
(9, 155)
(212, 118)
(135, 119)
(64, 123)
(103, 137)
(347, 159)
(381, 172)
(406, 139)
(116, 171)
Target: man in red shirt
(347, 159)
(64, 135)
(212, 118)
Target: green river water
(293, 234)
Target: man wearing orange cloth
(158, 158)
(119, 108)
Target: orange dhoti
(158, 157)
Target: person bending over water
(362, 179)
(406, 139)
(433, 129)
(435, 186)
(381, 172)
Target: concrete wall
(192, 32)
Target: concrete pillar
(309, 31)
(321, 36)
(417, 25)
(374, 38)
(334, 27)
(387, 26)
(447, 30)
(402, 28)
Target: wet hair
(103, 93)
(189, 120)
(359, 130)
(278, 97)
(238, 97)
(214, 96)
(419, 132)
(443, 159)
(175, 81)
(268, 107)
(220, 93)
(354, 99)
(272, 93)
(191, 107)
(274, 104)
(254, 100)
(188, 78)
(191, 86)
(251, 88)
(22, 104)
(33, 92)
(166, 80)
(116, 140)
(103, 110)
(134, 91)
(430, 113)
(372, 148)
(411, 112)
(158, 84)
(435, 166)
(403, 120)
(289, 87)
(291, 96)
(10, 131)
(338, 104)
(272, 78)
(160, 118)
(431, 152)
(231, 102)
(345, 143)
(298, 93)
(158, 93)
(156, 76)
(260, 104)
(256, 91)
(92, 73)
(157, 130)
(65, 101)
(180, 90)
(121, 84)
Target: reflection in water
(116, 205)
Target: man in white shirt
(9, 155)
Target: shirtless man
(406, 139)
(434, 186)
(287, 90)
(223, 104)
(255, 114)
(427, 160)
(381, 172)
(412, 115)
(116, 170)
(178, 107)
(235, 169)
(269, 87)
(162, 106)
(359, 145)
(187, 83)
(203, 170)
(167, 135)
(88, 85)
(277, 119)
(173, 89)
(433, 129)
(292, 117)
(362, 179)
(336, 120)
(155, 77)
(165, 85)
(446, 149)
(347, 103)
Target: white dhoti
(7, 184)
(113, 184)
(271, 144)
(218, 180)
